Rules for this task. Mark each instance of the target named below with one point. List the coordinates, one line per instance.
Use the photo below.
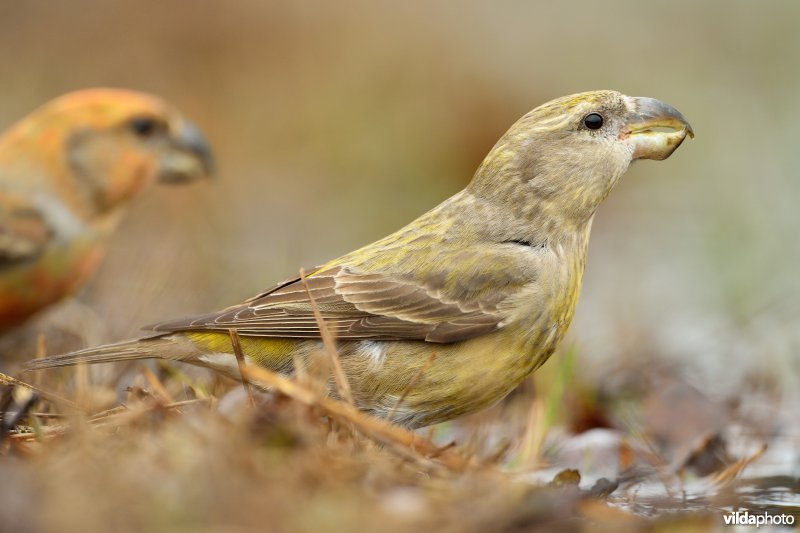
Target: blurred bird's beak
(655, 128)
(188, 156)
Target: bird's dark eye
(145, 126)
(593, 121)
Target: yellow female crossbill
(488, 280)
(68, 171)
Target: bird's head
(565, 156)
(107, 145)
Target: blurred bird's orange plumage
(67, 172)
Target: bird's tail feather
(165, 347)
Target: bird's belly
(437, 382)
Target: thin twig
(182, 403)
(402, 441)
(115, 417)
(732, 471)
(533, 436)
(41, 353)
(342, 385)
(300, 370)
(411, 384)
(110, 413)
(158, 387)
(237, 350)
(44, 431)
(50, 397)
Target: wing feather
(354, 306)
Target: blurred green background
(335, 123)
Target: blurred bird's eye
(593, 121)
(145, 126)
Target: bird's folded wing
(24, 232)
(354, 306)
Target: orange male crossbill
(68, 172)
